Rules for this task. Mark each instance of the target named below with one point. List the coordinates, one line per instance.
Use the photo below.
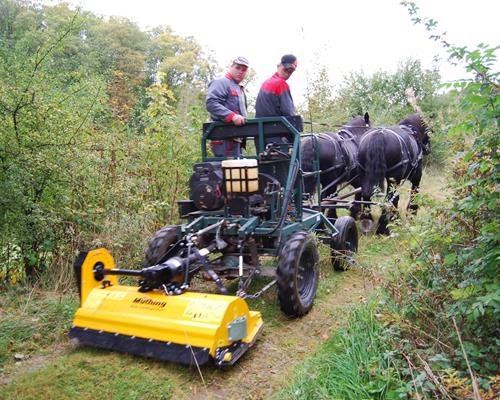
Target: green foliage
(46, 107)
(88, 154)
(321, 98)
(118, 50)
(456, 256)
(170, 145)
(384, 95)
(181, 64)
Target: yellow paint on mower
(188, 328)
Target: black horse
(393, 154)
(337, 159)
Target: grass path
(284, 345)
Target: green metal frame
(304, 219)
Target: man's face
(238, 72)
(286, 73)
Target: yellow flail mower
(239, 211)
(188, 328)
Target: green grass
(31, 321)
(328, 278)
(356, 363)
(93, 374)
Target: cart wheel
(297, 274)
(159, 245)
(344, 244)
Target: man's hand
(238, 120)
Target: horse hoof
(383, 231)
(365, 225)
(412, 210)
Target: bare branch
(40, 59)
(475, 387)
(433, 377)
(411, 366)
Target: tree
(384, 94)
(181, 65)
(119, 48)
(46, 105)
(90, 145)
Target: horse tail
(375, 165)
(307, 161)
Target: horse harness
(405, 151)
(336, 139)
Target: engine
(205, 186)
(234, 183)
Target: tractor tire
(159, 245)
(344, 244)
(297, 275)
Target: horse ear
(367, 118)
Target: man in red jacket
(274, 97)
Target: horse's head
(358, 125)
(421, 130)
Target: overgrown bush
(99, 127)
(451, 290)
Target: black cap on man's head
(289, 61)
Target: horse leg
(393, 196)
(355, 209)
(388, 209)
(415, 183)
(366, 218)
(331, 213)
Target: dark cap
(289, 61)
(241, 61)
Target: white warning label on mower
(205, 311)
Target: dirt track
(282, 347)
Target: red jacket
(274, 98)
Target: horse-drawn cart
(239, 211)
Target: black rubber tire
(345, 244)
(296, 292)
(159, 244)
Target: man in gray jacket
(226, 101)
